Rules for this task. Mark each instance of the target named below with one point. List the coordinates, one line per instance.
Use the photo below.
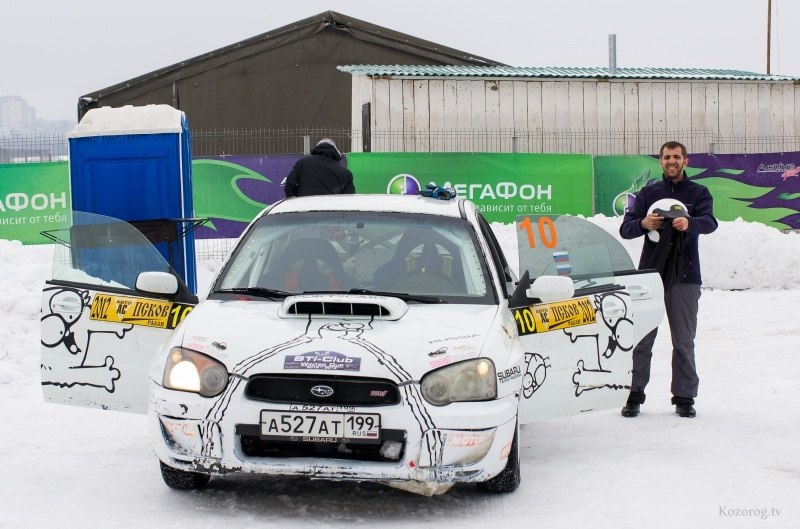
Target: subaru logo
(322, 391)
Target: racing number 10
(546, 230)
(526, 323)
(178, 312)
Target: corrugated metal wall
(577, 116)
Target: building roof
(560, 72)
(302, 29)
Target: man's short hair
(672, 145)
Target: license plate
(320, 426)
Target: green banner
(502, 185)
(34, 197)
(617, 177)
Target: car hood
(252, 337)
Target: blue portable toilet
(135, 164)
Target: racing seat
(429, 260)
(308, 265)
(430, 269)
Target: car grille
(252, 445)
(303, 389)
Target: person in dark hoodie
(319, 173)
(677, 259)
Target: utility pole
(769, 31)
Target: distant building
(24, 138)
(16, 114)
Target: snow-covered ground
(735, 465)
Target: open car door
(99, 331)
(579, 340)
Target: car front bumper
(420, 443)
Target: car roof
(375, 202)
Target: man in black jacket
(681, 276)
(319, 173)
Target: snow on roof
(109, 121)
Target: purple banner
(756, 187)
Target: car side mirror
(157, 283)
(544, 289)
(552, 288)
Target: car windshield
(423, 258)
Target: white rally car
(363, 338)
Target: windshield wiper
(400, 295)
(262, 292)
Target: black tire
(509, 478)
(183, 479)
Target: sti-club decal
(327, 360)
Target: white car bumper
(460, 442)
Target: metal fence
(43, 147)
(264, 141)
(26, 147)
(600, 143)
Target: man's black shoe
(631, 409)
(685, 410)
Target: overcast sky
(54, 51)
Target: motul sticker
(555, 316)
(138, 311)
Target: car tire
(509, 478)
(183, 479)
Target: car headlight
(188, 370)
(470, 380)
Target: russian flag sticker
(563, 267)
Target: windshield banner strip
(555, 316)
(138, 311)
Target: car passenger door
(98, 331)
(578, 346)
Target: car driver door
(101, 322)
(579, 340)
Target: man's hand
(652, 222)
(681, 223)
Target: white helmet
(669, 208)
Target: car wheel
(509, 478)
(183, 479)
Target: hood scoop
(339, 306)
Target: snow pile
(23, 270)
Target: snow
(148, 119)
(735, 465)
